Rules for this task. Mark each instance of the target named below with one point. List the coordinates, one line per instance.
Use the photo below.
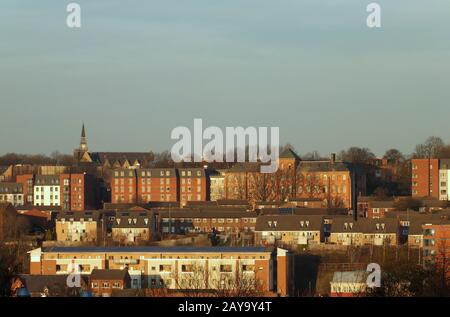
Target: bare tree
(430, 148)
(357, 155)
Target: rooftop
(150, 249)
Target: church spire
(83, 140)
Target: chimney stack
(333, 158)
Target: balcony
(126, 261)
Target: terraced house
(134, 227)
(206, 221)
(78, 226)
(347, 231)
(11, 193)
(289, 230)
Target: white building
(47, 190)
(11, 193)
(444, 179)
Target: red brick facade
(425, 178)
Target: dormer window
(134, 220)
(345, 226)
(269, 223)
(302, 224)
(350, 225)
(382, 226)
(129, 221)
(275, 223)
(118, 221)
(146, 221)
(307, 223)
(378, 226)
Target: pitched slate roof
(11, 188)
(289, 223)
(190, 213)
(323, 166)
(4, 168)
(78, 215)
(133, 220)
(194, 172)
(350, 277)
(289, 153)
(364, 225)
(101, 157)
(46, 180)
(156, 172)
(56, 284)
(382, 204)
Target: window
(187, 268)
(165, 268)
(226, 268)
(248, 268)
(105, 285)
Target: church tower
(78, 153)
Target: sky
(137, 69)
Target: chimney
(333, 158)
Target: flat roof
(150, 249)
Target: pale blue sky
(138, 68)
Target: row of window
(15, 197)
(213, 220)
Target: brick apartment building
(102, 283)
(71, 191)
(157, 184)
(425, 178)
(335, 183)
(79, 191)
(124, 186)
(144, 185)
(217, 185)
(27, 182)
(436, 242)
(193, 185)
(175, 268)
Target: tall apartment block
(430, 178)
(425, 178)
